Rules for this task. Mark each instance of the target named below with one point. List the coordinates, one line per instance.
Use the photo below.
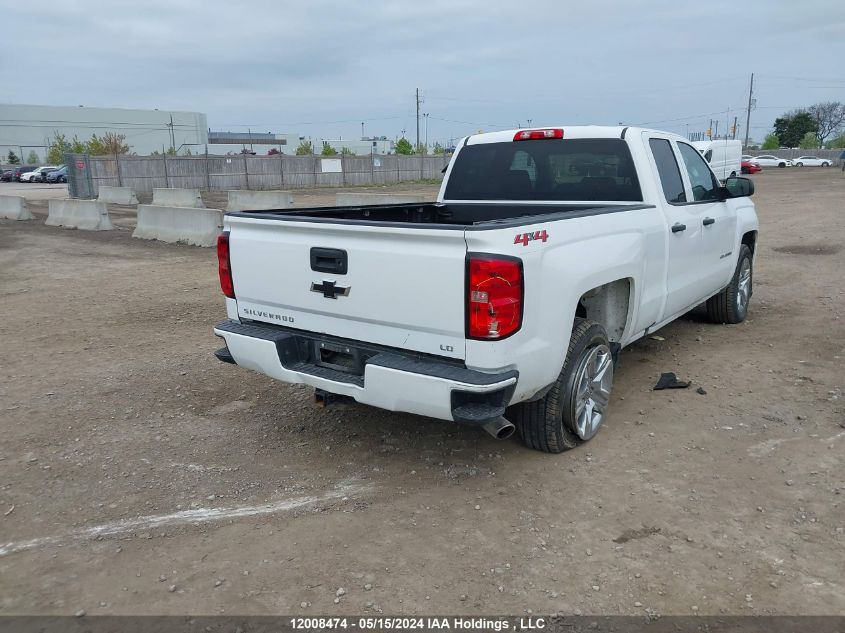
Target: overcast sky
(320, 68)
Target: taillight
(494, 296)
(530, 135)
(224, 266)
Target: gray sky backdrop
(321, 67)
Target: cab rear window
(545, 169)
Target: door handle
(677, 227)
(709, 221)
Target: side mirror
(737, 187)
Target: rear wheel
(799, 164)
(825, 164)
(731, 304)
(575, 407)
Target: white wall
(30, 127)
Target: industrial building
(30, 128)
(262, 143)
(258, 142)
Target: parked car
(546, 252)
(21, 170)
(811, 161)
(724, 156)
(57, 175)
(7, 175)
(767, 160)
(750, 167)
(747, 157)
(38, 174)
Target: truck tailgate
(402, 287)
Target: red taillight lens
(494, 296)
(224, 266)
(530, 135)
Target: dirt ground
(139, 475)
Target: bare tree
(829, 116)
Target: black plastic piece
(329, 260)
(469, 407)
(224, 355)
(677, 228)
(708, 221)
(670, 381)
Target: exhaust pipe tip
(500, 428)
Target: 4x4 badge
(330, 290)
(524, 238)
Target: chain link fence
(221, 173)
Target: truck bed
(434, 215)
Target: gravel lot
(139, 475)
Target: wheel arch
(609, 304)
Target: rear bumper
(385, 378)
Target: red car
(748, 167)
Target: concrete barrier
(14, 208)
(188, 225)
(117, 195)
(88, 215)
(243, 200)
(177, 198)
(354, 199)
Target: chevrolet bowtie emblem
(329, 290)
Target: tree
(770, 142)
(328, 150)
(305, 149)
(829, 117)
(809, 141)
(12, 158)
(838, 142)
(110, 144)
(345, 151)
(792, 126)
(32, 158)
(403, 146)
(57, 148)
(77, 146)
(437, 150)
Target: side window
(704, 185)
(667, 167)
(708, 156)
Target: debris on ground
(670, 381)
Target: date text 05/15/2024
(418, 623)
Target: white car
(37, 175)
(767, 160)
(811, 161)
(504, 304)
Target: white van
(724, 156)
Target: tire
(781, 165)
(825, 164)
(733, 174)
(799, 164)
(731, 304)
(551, 424)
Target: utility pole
(172, 138)
(425, 118)
(748, 111)
(716, 133)
(733, 132)
(418, 133)
(362, 130)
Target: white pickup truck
(504, 303)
